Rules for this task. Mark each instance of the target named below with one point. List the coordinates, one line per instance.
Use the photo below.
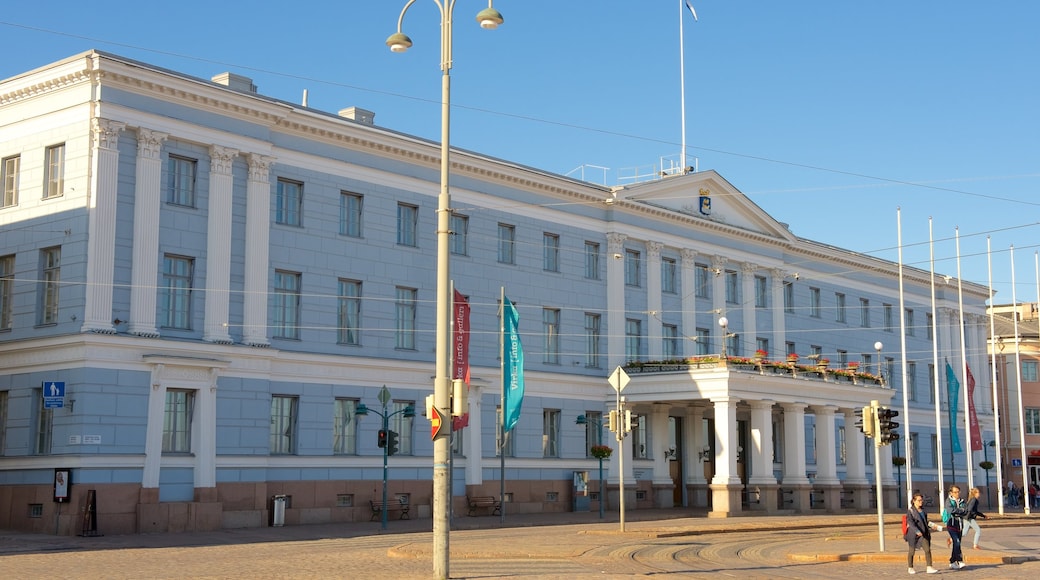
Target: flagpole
(1018, 381)
(682, 83)
(935, 368)
(969, 451)
(502, 398)
(996, 398)
(902, 346)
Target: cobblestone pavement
(573, 546)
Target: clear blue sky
(828, 114)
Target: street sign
(436, 421)
(619, 379)
(53, 394)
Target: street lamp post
(723, 323)
(362, 410)
(583, 420)
(878, 346)
(985, 460)
(399, 42)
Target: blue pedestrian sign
(53, 394)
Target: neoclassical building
(199, 285)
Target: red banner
(973, 420)
(460, 349)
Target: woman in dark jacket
(972, 508)
(919, 534)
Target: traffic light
(865, 421)
(886, 426)
(391, 442)
(382, 438)
(614, 421)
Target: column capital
(260, 167)
(149, 143)
(221, 158)
(615, 241)
(689, 257)
(653, 250)
(106, 132)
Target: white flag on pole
(692, 11)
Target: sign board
(53, 394)
(618, 379)
(1016, 463)
(436, 421)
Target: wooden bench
(393, 505)
(484, 501)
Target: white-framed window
(551, 433)
(814, 302)
(702, 281)
(934, 448)
(887, 310)
(670, 341)
(911, 380)
(50, 284)
(407, 224)
(640, 441)
(815, 350)
(761, 292)
(633, 267)
(1029, 373)
(284, 416)
(789, 348)
(351, 207)
(762, 344)
(404, 317)
(843, 358)
(550, 252)
(349, 314)
(177, 282)
(864, 313)
(703, 344)
(593, 430)
(180, 180)
(633, 339)
(403, 426)
(504, 445)
(506, 244)
(928, 321)
(180, 409)
(789, 297)
(344, 426)
(669, 276)
(43, 426)
(9, 176)
(1032, 419)
(551, 336)
(839, 307)
(733, 344)
(842, 459)
(732, 287)
(592, 260)
(288, 202)
(54, 184)
(592, 340)
(931, 383)
(459, 241)
(3, 422)
(909, 322)
(6, 291)
(286, 320)
(915, 450)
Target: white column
(695, 444)
(750, 328)
(205, 435)
(218, 245)
(687, 285)
(855, 463)
(472, 441)
(777, 308)
(101, 240)
(826, 460)
(154, 430)
(725, 441)
(615, 299)
(258, 239)
(147, 201)
(653, 300)
(659, 443)
(761, 443)
(794, 444)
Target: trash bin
(278, 510)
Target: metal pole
(877, 474)
(386, 451)
(599, 441)
(621, 457)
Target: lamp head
(361, 410)
(489, 18)
(399, 42)
(878, 345)
(581, 420)
(723, 322)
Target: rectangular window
(344, 427)
(1032, 418)
(934, 448)
(670, 338)
(703, 345)
(592, 340)
(909, 322)
(404, 318)
(286, 320)
(640, 447)
(506, 244)
(789, 348)
(842, 459)
(864, 313)
(843, 358)
(669, 276)
(733, 344)
(44, 425)
(915, 450)
(180, 405)
(789, 297)
(55, 178)
(814, 302)
(407, 225)
(459, 241)
(732, 287)
(503, 439)
(403, 427)
(289, 202)
(839, 307)
(887, 309)
(3, 422)
(551, 252)
(702, 281)
(762, 344)
(592, 260)
(178, 275)
(633, 335)
(761, 292)
(9, 176)
(931, 383)
(551, 433)
(633, 267)
(351, 206)
(911, 381)
(284, 415)
(1029, 371)
(6, 291)
(593, 430)
(180, 180)
(349, 314)
(551, 334)
(928, 320)
(50, 282)
(815, 351)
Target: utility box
(278, 510)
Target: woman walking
(919, 534)
(972, 508)
(953, 516)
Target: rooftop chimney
(237, 82)
(358, 114)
